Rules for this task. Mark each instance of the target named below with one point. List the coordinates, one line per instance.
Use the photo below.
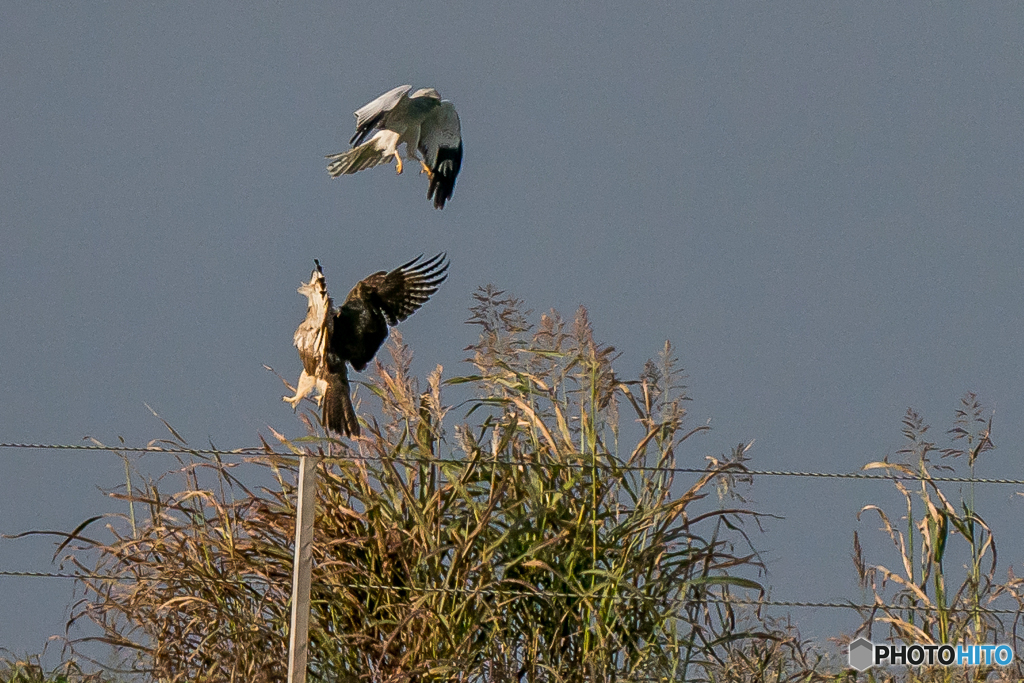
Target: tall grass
(532, 531)
(926, 597)
(31, 670)
(502, 539)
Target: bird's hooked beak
(317, 276)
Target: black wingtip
(438, 266)
(446, 170)
(410, 264)
(431, 268)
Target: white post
(298, 636)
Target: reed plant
(534, 531)
(30, 669)
(943, 587)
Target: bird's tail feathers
(338, 415)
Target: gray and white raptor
(429, 128)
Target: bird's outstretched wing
(372, 115)
(401, 292)
(371, 153)
(441, 147)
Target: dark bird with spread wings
(329, 337)
(428, 127)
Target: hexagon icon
(860, 654)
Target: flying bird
(428, 127)
(330, 337)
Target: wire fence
(725, 468)
(511, 593)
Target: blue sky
(819, 204)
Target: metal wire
(726, 469)
(524, 593)
(250, 450)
